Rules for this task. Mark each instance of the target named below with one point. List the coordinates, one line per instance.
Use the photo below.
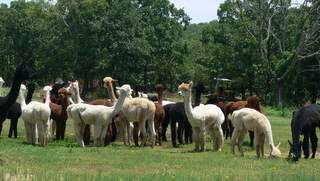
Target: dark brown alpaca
(108, 83)
(59, 113)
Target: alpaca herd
(146, 118)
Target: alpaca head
(124, 90)
(184, 88)
(63, 92)
(291, 154)
(23, 88)
(275, 151)
(253, 102)
(24, 72)
(108, 81)
(47, 88)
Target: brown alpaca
(252, 102)
(159, 114)
(59, 113)
(106, 102)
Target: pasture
(65, 160)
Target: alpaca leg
(196, 132)
(57, 128)
(219, 138)
(165, 124)
(189, 132)
(262, 138)
(230, 128)
(79, 131)
(251, 135)
(153, 131)
(143, 132)
(40, 127)
(103, 135)
(240, 140)
(54, 128)
(305, 145)
(127, 134)
(234, 139)
(173, 133)
(63, 129)
(136, 129)
(181, 129)
(257, 144)
(97, 135)
(212, 136)
(202, 137)
(10, 129)
(314, 142)
(28, 129)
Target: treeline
(268, 48)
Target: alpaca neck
(111, 92)
(64, 103)
(22, 99)
(119, 104)
(77, 96)
(29, 95)
(13, 94)
(269, 134)
(160, 97)
(188, 106)
(47, 102)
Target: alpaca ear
(190, 84)
(118, 88)
(271, 147)
(278, 145)
(290, 143)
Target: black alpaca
(23, 72)
(305, 121)
(175, 113)
(15, 112)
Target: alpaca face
(292, 155)
(125, 89)
(184, 88)
(47, 88)
(108, 81)
(25, 72)
(275, 151)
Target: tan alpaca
(249, 119)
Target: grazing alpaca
(305, 121)
(59, 112)
(252, 102)
(98, 115)
(108, 81)
(203, 117)
(249, 119)
(23, 72)
(36, 116)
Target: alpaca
(226, 125)
(252, 102)
(108, 81)
(15, 112)
(203, 117)
(305, 121)
(36, 117)
(139, 111)
(98, 115)
(159, 114)
(249, 119)
(59, 112)
(175, 113)
(23, 72)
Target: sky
(199, 11)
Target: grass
(65, 160)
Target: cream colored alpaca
(139, 111)
(36, 116)
(203, 117)
(249, 119)
(97, 115)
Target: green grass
(65, 160)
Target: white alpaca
(36, 116)
(203, 117)
(249, 119)
(97, 115)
